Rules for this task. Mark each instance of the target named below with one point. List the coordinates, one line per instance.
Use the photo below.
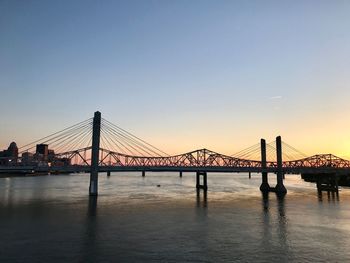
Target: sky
(182, 75)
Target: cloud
(275, 98)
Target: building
(43, 156)
(28, 158)
(9, 156)
(42, 149)
(61, 162)
(50, 155)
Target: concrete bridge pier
(180, 174)
(328, 183)
(250, 175)
(203, 186)
(264, 187)
(143, 173)
(280, 188)
(96, 129)
(336, 186)
(109, 173)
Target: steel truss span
(203, 158)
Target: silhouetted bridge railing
(102, 136)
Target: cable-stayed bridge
(97, 145)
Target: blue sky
(180, 74)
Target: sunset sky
(179, 74)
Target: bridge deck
(211, 169)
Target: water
(51, 219)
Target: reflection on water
(265, 201)
(202, 198)
(92, 206)
(134, 219)
(90, 237)
(268, 215)
(331, 196)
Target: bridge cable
(131, 140)
(123, 143)
(67, 141)
(68, 128)
(112, 142)
(128, 140)
(56, 136)
(137, 138)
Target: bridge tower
(95, 150)
(264, 187)
(280, 188)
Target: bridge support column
(109, 173)
(250, 175)
(264, 187)
(198, 180)
(143, 173)
(180, 174)
(336, 185)
(328, 182)
(280, 188)
(96, 129)
(203, 186)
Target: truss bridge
(97, 145)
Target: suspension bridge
(97, 145)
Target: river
(52, 219)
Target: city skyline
(182, 76)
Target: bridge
(97, 145)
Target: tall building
(9, 156)
(43, 150)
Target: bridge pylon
(95, 150)
(264, 187)
(280, 188)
